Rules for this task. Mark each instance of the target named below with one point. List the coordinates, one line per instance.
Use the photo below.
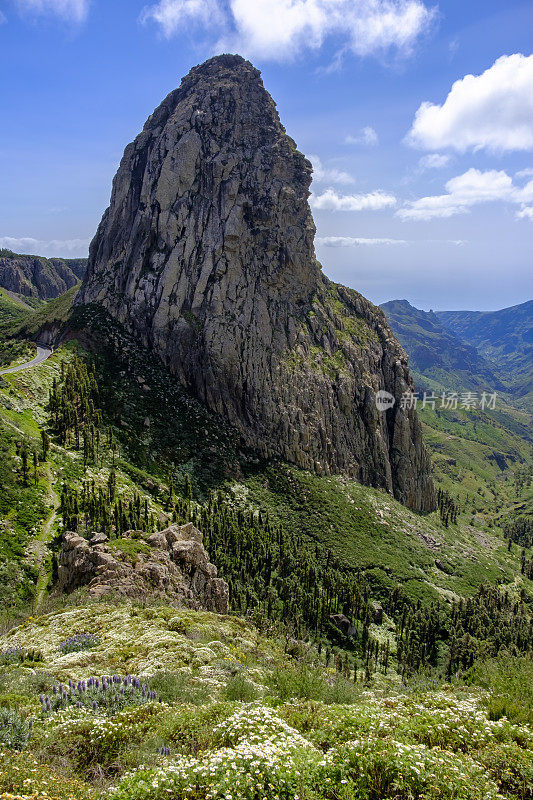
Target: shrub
(18, 655)
(510, 682)
(378, 769)
(240, 688)
(177, 687)
(85, 740)
(266, 759)
(79, 642)
(511, 767)
(110, 694)
(22, 775)
(15, 730)
(298, 682)
(342, 692)
(190, 730)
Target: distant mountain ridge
(38, 277)
(438, 359)
(504, 337)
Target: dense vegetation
(272, 570)
(223, 711)
(277, 710)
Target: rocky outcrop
(206, 255)
(43, 278)
(171, 564)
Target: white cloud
(526, 213)
(329, 200)
(464, 191)
(493, 110)
(434, 161)
(366, 136)
(60, 248)
(349, 241)
(524, 173)
(282, 29)
(322, 174)
(173, 15)
(70, 10)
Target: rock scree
(206, 255)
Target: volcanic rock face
(172, 565)
(206, 255)
(34, 276)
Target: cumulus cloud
(472, 188)
(366, 136)
(434, 161)
(331, 201)
(349, 241)
(60, 248)
(526, 213)
(322, 174)
(70, 10)
(281, 29)
(492, 111)
(172, 15)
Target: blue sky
(422, 191)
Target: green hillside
(438, 359)
(276, 688)
(505, 338)
(479, 455)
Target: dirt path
(38, 547)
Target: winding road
(43, 352)
(37, 547)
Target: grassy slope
(438, 360)
(287, 729)
(475, 454)
(11, 312)
(505, 337)
(365, 528)
(369, 530)
(52, 314)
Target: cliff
(206, 256)
(35, 276)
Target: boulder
(342, 623)
(377, 612)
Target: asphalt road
(43, 353)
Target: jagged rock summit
(206, 254)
